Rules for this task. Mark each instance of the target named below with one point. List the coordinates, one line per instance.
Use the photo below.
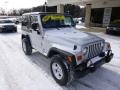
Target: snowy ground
(21, 72)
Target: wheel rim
(57, 71)
(24, 47)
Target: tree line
(73, 10)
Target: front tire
(26, 46)
(59, 70)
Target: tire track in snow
(11, 64)
(107, 79)
(77, 84)
(109, 82)
(112, 65)
(85, 84)
(10, 81)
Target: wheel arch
(54, 51)
(23, 36)
(27, 37)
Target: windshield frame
(66, 15)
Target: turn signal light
(69, 58)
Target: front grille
(94, 49)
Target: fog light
(89, 63)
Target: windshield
(6, 21)
(56, 21)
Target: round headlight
(85, 50)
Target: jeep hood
(70, 35)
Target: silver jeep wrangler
(73, 53)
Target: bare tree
(2, 11)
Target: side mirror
(34, 26)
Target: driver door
(36, 35)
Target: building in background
(97, 12)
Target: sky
(17, 4)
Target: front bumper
(83, 69)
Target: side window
(26, 23)
(67, 21)
(24, 20)
(34, 19)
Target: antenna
(45, 5)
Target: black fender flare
(64, 54)
(27, 37)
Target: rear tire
(59, 70)
(26, 46)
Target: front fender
(64, 54)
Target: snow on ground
(21, 72)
